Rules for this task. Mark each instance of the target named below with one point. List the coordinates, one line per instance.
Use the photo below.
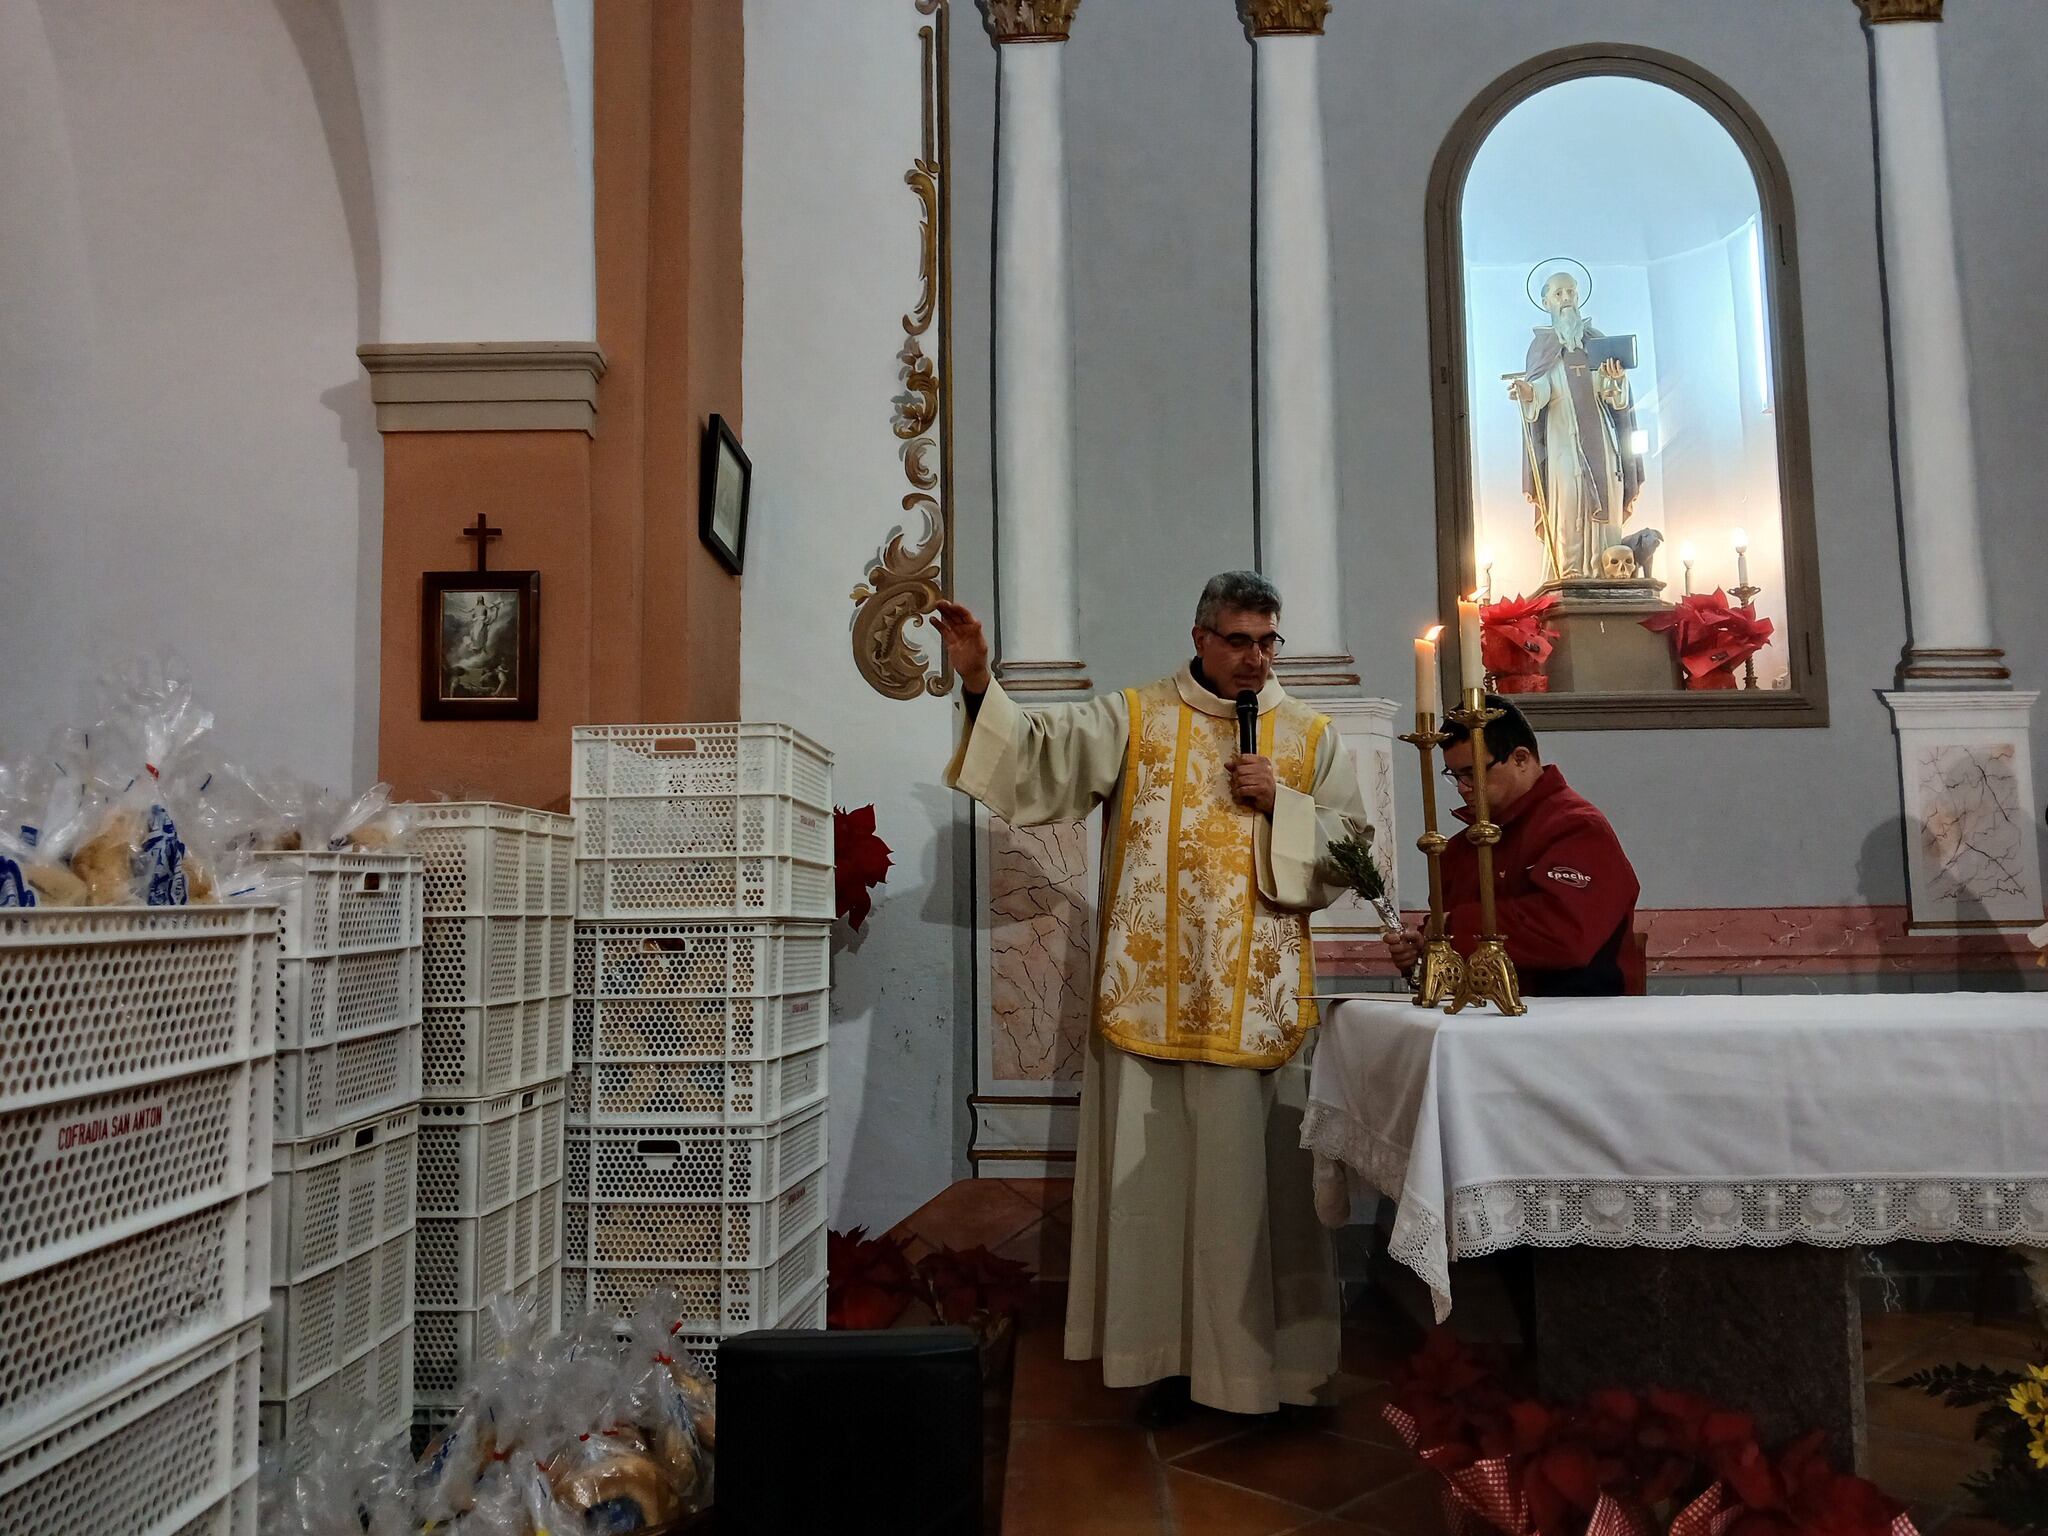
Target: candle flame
(1432, 633)
(1741, 541)
(1486, 557)
(1687, 554)
(1472, 596)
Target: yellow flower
(2038, 1450)
(2030, 1399)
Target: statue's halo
(1551, 264)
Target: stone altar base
(1602, 646)
(1774, 1332)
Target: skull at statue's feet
(1617, 563)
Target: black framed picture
(728, 478)
(480, 645)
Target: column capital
(1030, 21)
(1286, 18)
(1876, 11)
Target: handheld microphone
(1247, 724)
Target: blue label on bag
(160, 866)
(30, 836)
(14, 890)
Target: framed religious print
(1623, 474)
(480, 645)
(728, 477)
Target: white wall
(831, 267)
(187, 458)
(478, 120)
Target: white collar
(1196, 697)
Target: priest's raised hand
(966, 645)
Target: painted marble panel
(1041, 950)
(1973, 827)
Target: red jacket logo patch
(1564, 874)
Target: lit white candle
(1686, 555)
(1426, 688)
(1471, 670)
(1741, 558)
(1486, 573)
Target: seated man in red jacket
(1564, 892)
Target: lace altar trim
(1675, 1213)
(1747, 1213)
(1417, 1241)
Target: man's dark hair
(1503, 735)
(1246, 591)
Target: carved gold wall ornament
(1031, 21)
(1876, 11)
(1286, 18)
(907, 577)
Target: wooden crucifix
(483, 533)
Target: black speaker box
(843, 1432)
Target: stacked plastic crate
(498, 928)
(346, 1121)
(696, 1142)
(135, 1103)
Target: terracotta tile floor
(1080, 1466)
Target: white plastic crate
(448, 1346)
(662, 1091)
(325, 1087)
(484, 960)
(477, 1052)
(156, 1458)
(703, 886)
(78, 1174)
(699, 1028)
(343, 1193)
(692, 826)
(84, 1328)
(702, 1348)
(346, 903)
(472, 855)
(561, 945)
(95, 1001)
(235, 1515)
(693, 1232)
(719, 1300)
(341, 997)
(477, 1155)
(699, 759)
(381, 1376)
(702, 960)
(318, 1324)
(463, 1261)
(690, 1162)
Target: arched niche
(1659, 195)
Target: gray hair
(1247, 591)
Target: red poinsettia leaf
(860, 860)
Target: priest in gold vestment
(1198, 1263)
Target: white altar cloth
(1672, 1122)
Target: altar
(1736, 1152)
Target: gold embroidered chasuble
(1204, 936)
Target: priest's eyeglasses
(1240, 642)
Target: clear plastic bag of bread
(149, 739)
(43, 813)
(356, 1481)
(368, 824)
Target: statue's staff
(1553, 555)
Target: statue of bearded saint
(1577, 468)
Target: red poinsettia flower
(965, 1284)
(1515, 644)
(868, 1281)
(860, 861)
(1712, 636)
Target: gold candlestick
(1745, 595)
(1489, 975)
(1439, 972)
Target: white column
(1034, 368)
(1296, 372)
(1951, 640)
(1965, 758)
